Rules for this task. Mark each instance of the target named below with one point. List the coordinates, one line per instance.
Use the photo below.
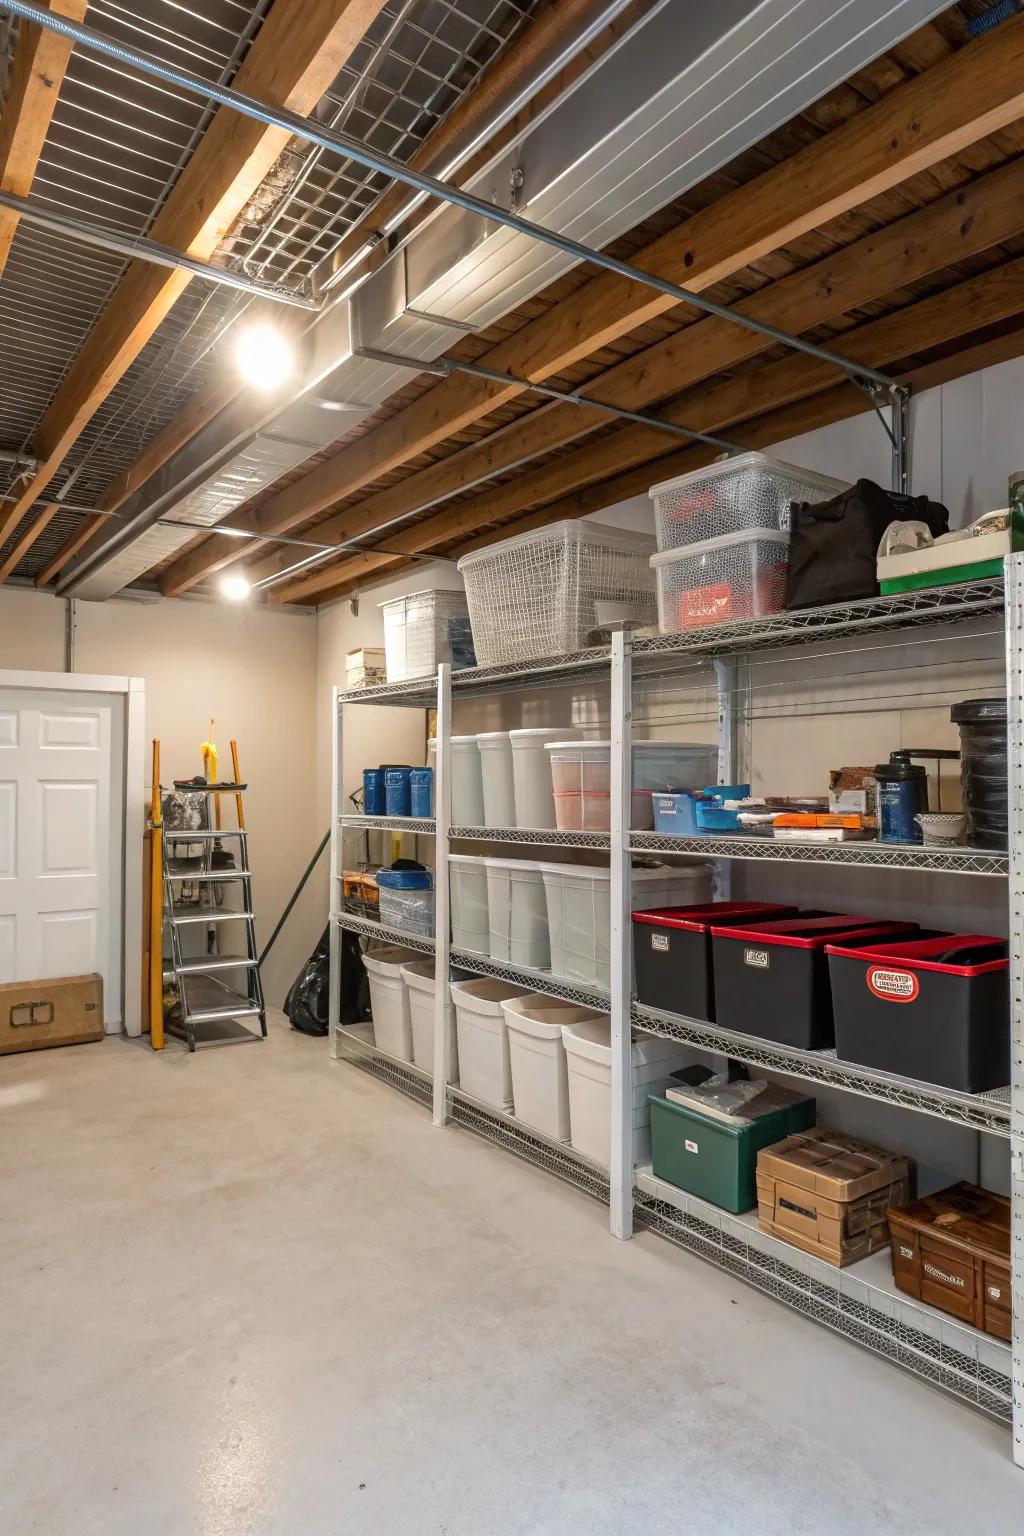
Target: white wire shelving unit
(859, 1302)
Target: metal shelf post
(334, 900)
(1014, 577)
(620, 928)
(442, 928)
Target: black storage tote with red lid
(672, 952)
(935, 1009)
(772, 979)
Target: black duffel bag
(834, 544)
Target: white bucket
(467, 783)
(540, 1078)
(518, 913)
(578, 899)
(531, 774)
(468, 884)
(419, 979)
(496, 772)
(389, 1000)
(589, 1063)
(484, 1069)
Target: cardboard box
(65, 1011)
(828, 1194)
(853, 789)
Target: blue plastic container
(405, 879)
(373, 792)
(421, 791)
(397, 792)
(676, 814)
(715, 818)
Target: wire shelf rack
(868, 855)
(860, 1302)
(354, 1045)
(981, 1111)
(370, 928)
(588, 996)
(505, 1131)
(420, 826)
(534, 837)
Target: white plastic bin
(467, 783)
(416, 632)
(540, 1076)
(531, 774)
(578, 900)
(496, 773)
(389, 999)
(589, 1062)
(419, 979)
(540, 594)
(485, 1071)
(518, 913)
(739, 576)
(471, 927)
(581, 779)
(749, 491)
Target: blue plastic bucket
(397, 792)
(373, 792)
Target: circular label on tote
(892, 986)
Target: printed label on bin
(691, 1146)
(759, 958)
(892, 986)
(995, 1293)
(659, 941)
(942, 1276)
(905, 1252)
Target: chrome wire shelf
(535, 837)
(867, 855)
(859, 1302)
(418, 826)
(541, 981)
(370, 928)
(512, 1136)
(579, 666)
(981, 1111)
(355, 1048)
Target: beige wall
(254, 671)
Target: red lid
(814, 932)
(697, 919)
(926, 954)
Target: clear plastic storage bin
(739, 576)
(581, 779)
(540, 595)
(416, 632)
(407, 900)
(748, 492)
(578, 898)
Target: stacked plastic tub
(581, 779)
(723, 539)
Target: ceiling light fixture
(264, 356)
(235, 587)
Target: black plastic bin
(983, 784)
(772, 980)
(672, 952)
(934, 1009)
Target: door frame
(132, 690)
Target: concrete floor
(254, 1291)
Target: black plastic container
(772, 980)
(983, 785)
(934, 1009)
(672, 952)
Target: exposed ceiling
(904, 250)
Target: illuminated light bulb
(265, 358)
(235, 587)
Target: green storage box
(713, 1159)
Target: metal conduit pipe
(312, 133)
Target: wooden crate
(828, 1194)
(952, 1250)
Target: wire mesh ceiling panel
(115, 148)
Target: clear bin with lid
(737, 576)
(581, 779)
(747, 492)
(416, 632)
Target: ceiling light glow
(264, 356)
(235, 587)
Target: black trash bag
(307, 1002)
(834, 544)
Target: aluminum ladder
(221, 988)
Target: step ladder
(219, 990)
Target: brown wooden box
(952, 1249)
(828, 1194)
(64, 1011)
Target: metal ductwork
(683, 93)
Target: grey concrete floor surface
(255, 1291)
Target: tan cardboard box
(64, 1011)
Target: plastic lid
(752, 460)
(979, 709)
(697, 918)
(927, 954)
(493, 739)
(462, 741)
(466, 858)
(531, 866)
(537, 732)
(405, 879)
(601, 747)
(724, 541)
(896, 771)
(815, 932)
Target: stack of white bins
(389, 999)
(578, 900)
(589, 1061)
(517, 913)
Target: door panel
(8, 729)
(68, 943)
(68, 815)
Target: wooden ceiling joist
(640, 456)
(37, 74)
(966, 97)
(962, 224)
(297, 54)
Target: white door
(61, 793)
